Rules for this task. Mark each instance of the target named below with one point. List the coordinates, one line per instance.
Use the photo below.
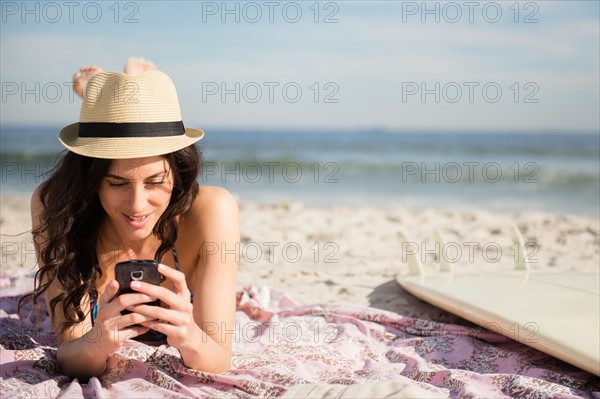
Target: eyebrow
(149, 177)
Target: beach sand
(352, 254)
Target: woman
(127, 189)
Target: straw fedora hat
(125, 116)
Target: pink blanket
(279, 343)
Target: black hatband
(135, 129)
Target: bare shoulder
(213, 205)
(214, 198)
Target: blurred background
(493, 105)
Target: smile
(139, 219)
(136, 221)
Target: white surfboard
(556, 313)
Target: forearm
(203, 353)
(81, 359)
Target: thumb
(109, 292)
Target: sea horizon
(501, 171)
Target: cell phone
(136, 270)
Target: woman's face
(134, 194)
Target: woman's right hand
(112, 328)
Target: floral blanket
(279, 344)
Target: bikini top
(95, 308)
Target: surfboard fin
(414, 265)
(445, 264)
(522, 260)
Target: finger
(135, 331)
(160, 326)
(158, 313)
(109, 292)
(131, 319)
(165, 295)
(177, 277)
(126, 300)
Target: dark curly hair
(70, 219)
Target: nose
(138, 199)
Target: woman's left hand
(175, 317)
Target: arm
(78, 353)
(202, 332)
(82, 350)
(215, 283)
(76, 357)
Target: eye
(156, 183)
(116, 184)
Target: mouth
(136, 221)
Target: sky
(477, 66)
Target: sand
(352, 254)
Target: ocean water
(552, 172)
